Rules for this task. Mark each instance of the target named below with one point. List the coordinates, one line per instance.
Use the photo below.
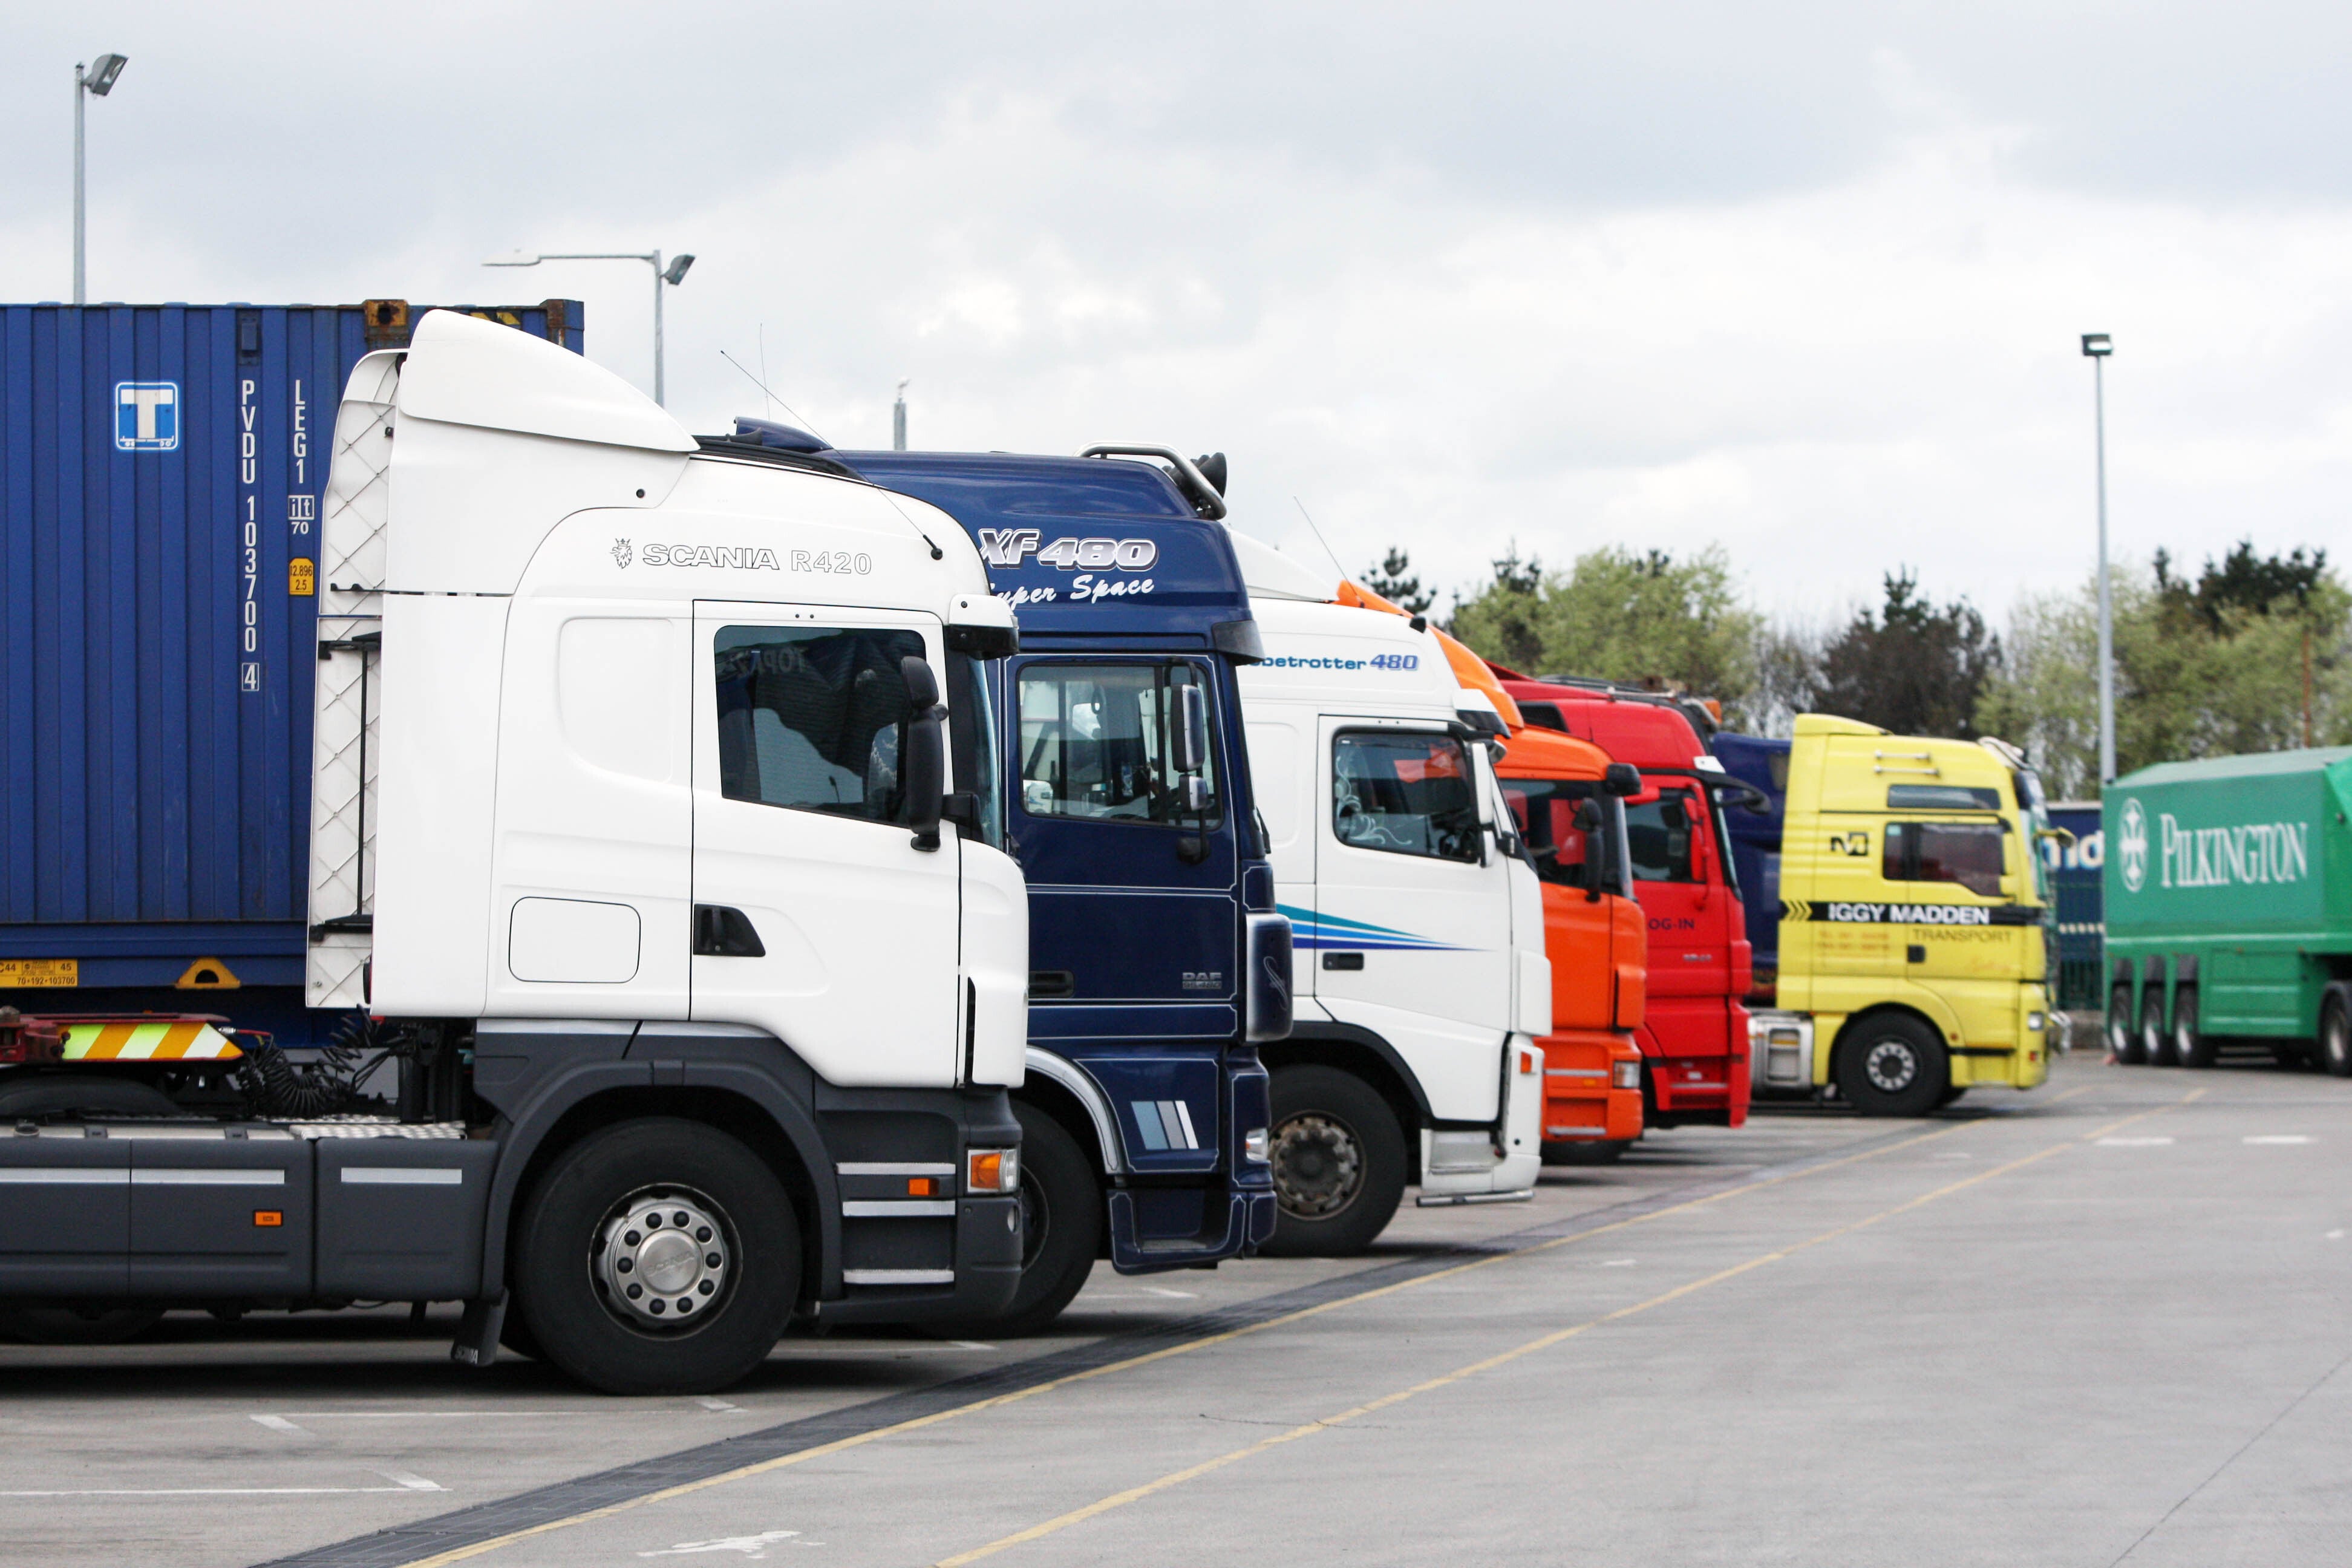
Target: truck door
(1412, 909)
(817, 916)
(1134, 922)
(1684, 910)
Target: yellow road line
(496, 1542)
(1178, 1477)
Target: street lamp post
(663, 277)
(2096, 347)
(96, 80)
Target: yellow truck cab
(1914, 922)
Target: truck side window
(1570, 831)
(1658, 839)
(1095, 742)
(812, 718)
(1968, 853)
(1405, 793)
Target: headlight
(2034, 1022)
(1625, 1075)
(992, 1170)
(1253, 1146)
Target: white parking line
(2278, 1138)
(713, 1401)
(402, 1482)
(279, 1423)
(2132, 1142)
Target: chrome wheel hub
(1319, 1166)
(1891, 1066)
(661, 1258)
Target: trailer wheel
(2123, 1040)
(2155, 1043)
(658, 1256)
(2190, 1047)
(1338, 1163)
(1061, 1220)
(2334, 1043)
(1892, 1065)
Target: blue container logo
(146, 416)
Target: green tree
(1394, 580)
(2215, 667)
(1912, 666)
(1642, 618)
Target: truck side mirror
(923, 768)
(1191, 737)
(1621, 779)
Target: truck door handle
(1343, 961)
(723, 932)
(1052, 982)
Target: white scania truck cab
(667, 886)
(1423, 983)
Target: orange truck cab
(1694, 1032)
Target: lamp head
(2097, 346)
(675, 271)
(102, 72)
(512, 259)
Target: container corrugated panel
(159, 469)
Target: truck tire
(603, 1224)
(2123, 1040)
(2190, 1047)
(2333, 1049)
(1951, 1095)
(1892, 1065)
(84, 1094)
(2155, 1042)
(1338, 1161)
(1062, 1225)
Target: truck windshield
(1576, 834)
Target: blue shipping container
(2076, 874)
(159, 469)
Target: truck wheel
(1061, 1224)
(2154, 1042)
(657, 1257)
(1338, 1163)
(2123, 1040)
(1951, 1095)
(84, 1094)
(1893, 1066)
(2334, 1042)
(2190, 1048)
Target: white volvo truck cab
(627, 836)
(1422, 984)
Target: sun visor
(461, 371)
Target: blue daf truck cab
(1754, 828)
(1158, 961)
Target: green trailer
(2229, 909)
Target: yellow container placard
(301, 578)
(30, 971)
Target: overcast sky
(1805, 280)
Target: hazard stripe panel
(161, 1042)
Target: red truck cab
(1694, 1033)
